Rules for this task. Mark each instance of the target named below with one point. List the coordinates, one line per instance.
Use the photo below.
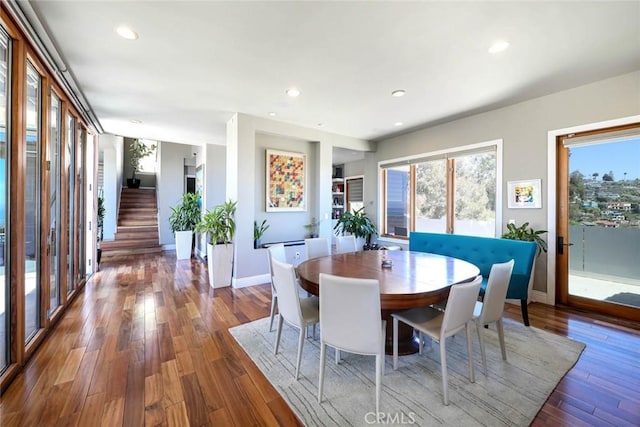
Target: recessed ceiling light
(398, 124)
(272, 114)
(126, 33)
(136, 121)
(398, 93)
(320, 125)
(499, 46)
(293, 92)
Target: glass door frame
(558, 261)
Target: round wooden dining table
(415, 279)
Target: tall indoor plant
(100, 214)
(358, 224)
(183, 221)
(220, 225)
(137, 151)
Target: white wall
(170, 183)
(241, 183)
(523, 127)
(283, 226)
(111, 147)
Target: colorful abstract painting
(286, 181)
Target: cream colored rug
(511, 394)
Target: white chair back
(494, 297)
(284, 280)
(276, 252)
(317, 247)
(460, 305)
(350, 314)
(346, 244)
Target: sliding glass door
(32, 204)
(4, 205)
(53, 151)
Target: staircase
(137, 230)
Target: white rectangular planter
(183, 244)
(220, 264)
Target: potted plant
(100, 214)
(182, 221)
(358, 224)
(258, 231)
(312, 228)
(220, 226)
(530, 235)
(137, 151)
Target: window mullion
(450, 194)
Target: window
(32, 211)
(4, 180)
(451, 192)
(53, 151)
(148, 163)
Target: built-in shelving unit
(337, 192)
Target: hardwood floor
(146, 343)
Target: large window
(4, 179)
(32, 196)
(451, 192)
(69, 165)
(55, 129)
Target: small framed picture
(524, 194)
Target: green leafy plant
(138, 151)
(258, 230)
(530, 235)
(186, 215)
(219, 223)
(356, 223)
(101, 210)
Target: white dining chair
(439, 325)
(346, 244)
(350, 320)
(490, 309)
(274, 252)
(317, 247)
(297, 312)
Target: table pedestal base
(407, 342)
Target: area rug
(510, 395)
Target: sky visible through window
(619, 157)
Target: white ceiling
(196, 63)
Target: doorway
(598, 220)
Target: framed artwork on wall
(524, 194)
(286, 181)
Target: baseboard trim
(169, 247)
(244, 282)
(539, 296)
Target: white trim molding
(244, 282)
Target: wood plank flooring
(146, 343)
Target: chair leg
(278, 333)
(443, 368)
(323, 350)
(503, 347)
(379, 367)
(472, 376)
(525, 311)
(337, 356)
(482, 351)
(300, 345)
(274, 303)
(395, 343)
(420, 342)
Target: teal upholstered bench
(483, 252)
